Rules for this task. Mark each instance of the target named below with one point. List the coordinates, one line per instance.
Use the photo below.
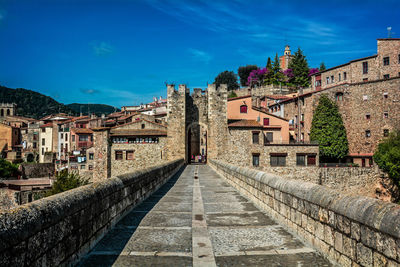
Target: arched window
(243, 109)
(339, 96)
(2, 113)
(8, 112)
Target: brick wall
(349, 230)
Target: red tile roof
(246, 124)
(49, 124)
(82, 130)
(137, 132)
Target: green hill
(32, 104)
(97, 109)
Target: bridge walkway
(200, 222)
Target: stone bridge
(201, 215)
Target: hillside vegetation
(32, 104)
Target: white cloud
(200, 55)
(102, 48)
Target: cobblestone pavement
(200, 222)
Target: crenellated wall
(60, 229)
(349, 230)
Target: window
(340, 77)
(365, 80)
(256, 160)
(386, 61)
(386, 114)
(327, 80)
(385, 95)
(129, 155)
(367, 116)
(66, 137)
(66, 147)
(73, 138)
(62, 146)
(344, 76)
(143, 125)
(339, 96)
(34, 144)
(386, 76)
(268, 137)
(385, 132)
(300, 160)
(365, 97)
(62, 135)
(311, 160)
(367, 133)
(83, 167)
(266, 121)
(302, 117)
(278, 159)
(255, 137)
(83, 137)
(365, 67)
(43, 141)
(332, 79)
(243, 109)
(399, 58)
(91, 156)
(90, 167)
(118, 155)
(42, 150)
(43, 130)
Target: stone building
(197, 122)
(285, 59)
(383, 65)
(10, 141)
(368, 100)
(7, 109)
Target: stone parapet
(349, 230)
(60, 229)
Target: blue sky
(122, 52)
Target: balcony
(84, 144)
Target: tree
(299, 66)
(387, 156)
(232, 94)
(328, 129)
(7, 169)
(276, 67)
(229, 78)
(66, 181)
(244, 73)
(322, 66)
(269, 64)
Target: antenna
(389, 29)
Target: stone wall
(144, 155)
(176, 117)
(349, 230)
(37, 170)
(60, 229)
(241, 149)
(102, 154)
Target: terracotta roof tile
(139, 132)
(245, 123)
(82, 130)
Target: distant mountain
(32, 104)
(97, 109)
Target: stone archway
(196, 142)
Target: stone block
(319, 230)
(390, 248)
(339, 242)
(349, 247)
(294, 202)
(379, 260)
(331, 219)
(323, 215)
(345, 261)
(368, 237)
(328, 235)
(346, 226)
(364, 255)
(355, 231)
(314, 211)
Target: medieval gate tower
(197, 122)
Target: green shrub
(66, 181)
(7, 169)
